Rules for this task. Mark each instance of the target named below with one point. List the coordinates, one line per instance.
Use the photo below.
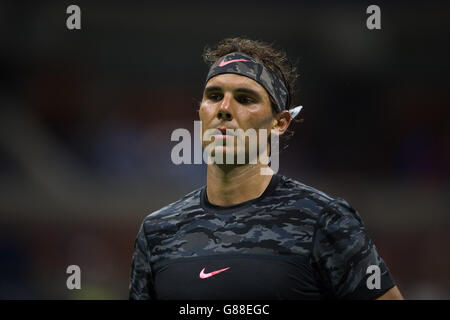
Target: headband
(242, 64)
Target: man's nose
(224, 112)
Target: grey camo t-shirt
(292, 242)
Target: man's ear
(282, 121)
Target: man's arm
(391, 294)
(344, 252)
(141, 282)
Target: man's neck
(240, 184)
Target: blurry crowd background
(86, 118)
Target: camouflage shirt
(292, 242)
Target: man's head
(255, 95)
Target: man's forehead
(234, 81)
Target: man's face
(232, 101)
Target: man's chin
(226, 155)
(229, 156)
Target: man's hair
(274, 60)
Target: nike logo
(224, 63)
(204, 275)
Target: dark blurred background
(86, 118)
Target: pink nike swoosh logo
(224, 63)
(204, 275)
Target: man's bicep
(348, 257)
(391, 294)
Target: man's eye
(244, 99)
(215, 96)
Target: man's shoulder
(187, 202)
(310, 199)
(302, 194)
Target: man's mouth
(224, 132)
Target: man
(247, 235)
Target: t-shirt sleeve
(141, 280)
(347, 259)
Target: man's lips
(224, 132)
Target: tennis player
(248, 235)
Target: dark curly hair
(274, 60)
